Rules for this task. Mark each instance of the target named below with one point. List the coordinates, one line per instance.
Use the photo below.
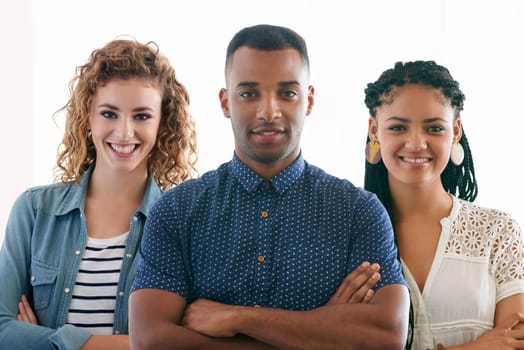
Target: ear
(457, 129)
(224, 102)
(310, 99)
(373, 128)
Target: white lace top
(479, 261)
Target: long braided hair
(457, 180)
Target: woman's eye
(396, 128)
(436, 128)
(142, 116)
(108, 114)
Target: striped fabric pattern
(94, 295)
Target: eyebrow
(137, 109)
(280, 83)
(406, 120)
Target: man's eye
(289, 93)
(247, 94)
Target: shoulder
(50, 198)
(192, 189)
(337, 186)
(484, 216)
(474, 228)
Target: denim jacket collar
(76, 197)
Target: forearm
(355, 326)
(107, 342)
(172, 336)
(20, 335)
(14, 334)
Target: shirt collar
(151, 194)
(281, 182)
(76, 197)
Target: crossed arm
(354, 318)
(356, 288)
(508, 332)
(95, 342)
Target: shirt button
(261, 258)
(33, 278)
(264, 214)
(121, 294)
(135, 218)
(77, 252)
(256, 305)
(67, 290)
(129, 255)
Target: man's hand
(25, 313)
(210, 318)
(357, 287)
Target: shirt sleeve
(163, 264)
(15, 261)
(508, 255)
(376, 242)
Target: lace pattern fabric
(481, 232)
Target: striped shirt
(94, 295)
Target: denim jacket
(45, 239)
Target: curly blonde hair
(172, 159)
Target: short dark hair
(268, 38)
(457, 180)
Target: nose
(416, 141)
(269, 109)
(125, 128)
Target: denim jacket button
(32, 278)
(67, 290)
(77, 252)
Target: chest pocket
(43, 280)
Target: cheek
(388, 145)
(150, 135)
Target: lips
(123, 148)
(415, 160)
(267, 131)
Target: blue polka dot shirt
(287, 242)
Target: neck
(426, 201)
(128, 186)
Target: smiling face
(267, 100)
(416, 129)
(124, 119)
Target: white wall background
(350, 43)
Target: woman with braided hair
(464, 263)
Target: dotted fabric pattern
(233, 237)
